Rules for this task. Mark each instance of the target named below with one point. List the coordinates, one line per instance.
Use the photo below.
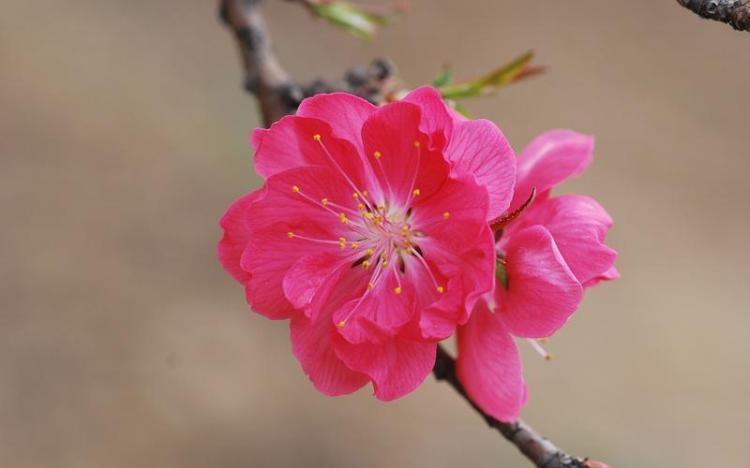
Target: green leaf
(445, 77)
(514, 71)
(348, 16)
(501, 274)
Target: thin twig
(539, 450)
(736, 13)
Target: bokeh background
(124, 137)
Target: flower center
(381, 236)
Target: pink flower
(549, 253)
(371, 234)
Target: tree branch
(536, 448)
(736, 13)
(277, 93)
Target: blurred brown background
(123, 138)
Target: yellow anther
(377, 154)
(355, 196)
(416, 192)
(343, 218)
(290, 234)
(440, 289)
(364, 193)
(370, 252)
(446, 215)
(385, 263)
(368, 215)
(548, 357)
(341, 324)
(317, 137)
(295, 189)
(416, 144)
(366, 264)
(324, 201)
(354, 246)
(342, 243)
(361, 206)
(397, 289)
(370, 286)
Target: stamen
(341, 323)
(446, 215)
(397, 289)
(295, 189)
(438, 287)
(342, 243)
(416, 192)
(324, 201)
(328, 154)
(355, 245)
(366, 264)
(539, 349)
(377, 154)
(294, 235)
(343, 218)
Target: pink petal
(396, 366)
(436, 120)
(579, 226)
(345, 113)
(271, 253)
(542, 291)
(236, 236)
(313, 347)
(471, 275)
(380, 311)
(489, 366)
(550, 159)
(609, 275)
(479, 148)
(291, 143)
(465, 203)
(305, 277)
(389, 136)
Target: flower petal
(550, 159)
(579, 226)
(455, 216)
(389, 137)
(346, 113)
(470, 275)
(281, 211)
(295, 142)
(436, 120)
(489, 366)
(236, 235)
(479, 148)
(305, 277)
(312, 344)
(542, 291)
(396, 366)
(377, 312)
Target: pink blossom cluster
(381, 231)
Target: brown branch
(275, 90)
(279, 95)
(536, 448)
(736, 13)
